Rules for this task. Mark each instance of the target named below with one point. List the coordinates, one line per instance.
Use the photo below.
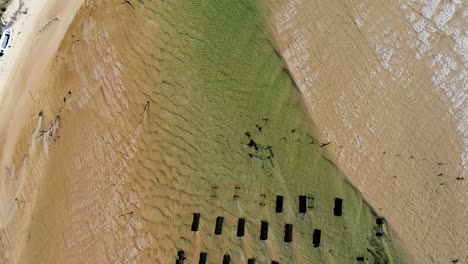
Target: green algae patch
(226, 131)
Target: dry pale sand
(386, 83)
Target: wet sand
(385, 83)
(151, 111)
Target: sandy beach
(38, 28)
(385, 83)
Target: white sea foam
(449, 64)
(445, 15)
(419, 25)
(410, 17)
(428, 10)
(359, 22)
(296, 56)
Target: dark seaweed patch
(259, 151)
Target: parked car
(5, 40)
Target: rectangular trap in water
(288, 233)
(219, 225)
(264, 231)
(203, 257)
(196, 221)
(226, 259)
(251, 261)
(337, 211)
(302, 204)
(279, 204)
(240, 227)
(379, 221)
(180, 257)
(316, 237)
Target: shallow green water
(225, 134)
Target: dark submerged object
(226, 259)
(337, 211)
(288, 233)
(196, 221)
(219, 225)
(240, 227)
(279, 204)
(203, 257)
(264, 231)
(180, 257)
(379, 221)
(316, 237)
(302, 204)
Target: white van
(5, 40)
